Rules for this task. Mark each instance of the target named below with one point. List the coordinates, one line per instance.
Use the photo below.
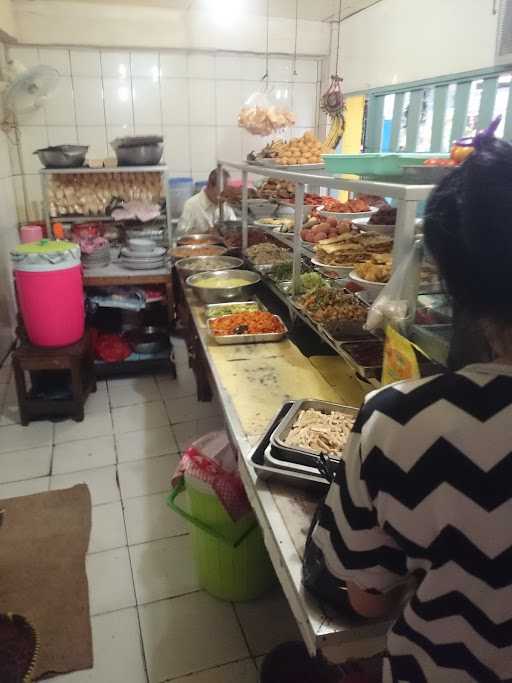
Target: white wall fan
(27, 90)
(24, 90)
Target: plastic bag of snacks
(262, 115)
(392, 304)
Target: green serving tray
(375, 164)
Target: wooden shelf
(114, 275)
(99, 219)
(116, 169)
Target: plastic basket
(375, 164)
(232, 561)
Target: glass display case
(428, 319)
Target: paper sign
(400, 360)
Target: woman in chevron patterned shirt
(425, 493)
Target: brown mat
(43, 542)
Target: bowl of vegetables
(193, 250)
(223, 285)
(203, 264)
(282, 276)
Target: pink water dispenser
(50, 291)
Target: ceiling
(319, 10)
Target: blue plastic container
(180, 189)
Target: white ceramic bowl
(347, 216)
(373, 289)
(261, 208)
(289, 208)
(141, 246)
(342, 271)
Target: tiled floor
(150, 621)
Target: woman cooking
(424, 496)
(202, 211)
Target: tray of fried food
(272, 188)
(375, 269)
(341, 315)
(374, 243)
(304, 151)
(351, 248)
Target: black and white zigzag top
(426, 489)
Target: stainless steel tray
(351, 329)
(297, 468)
(366, 371)
(249, 338)
(290, 457)
(289, 477)
(211, 308)
(264, 269)
(282, 431)
(345, 330)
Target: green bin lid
(44, 247)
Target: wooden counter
(252, 382)
(116, 275)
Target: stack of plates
(146, 260)
(100, 258)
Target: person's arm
(229, 213)
(373, 605)
(355, 547)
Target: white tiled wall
(192, 99)
(8, 236)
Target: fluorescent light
(124, 93)
(224, 12)
(155, 74)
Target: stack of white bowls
(142, 254)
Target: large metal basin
(216, 296)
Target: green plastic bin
(232, 561)
(378, 163)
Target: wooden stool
(77, 358)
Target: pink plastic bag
(211, 459)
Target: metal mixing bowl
(218, 296)
(139, 155)
(185, 240)
(62, 156)
(176, 252)
(203, 264)
(148, 339)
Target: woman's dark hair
(468, 231)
